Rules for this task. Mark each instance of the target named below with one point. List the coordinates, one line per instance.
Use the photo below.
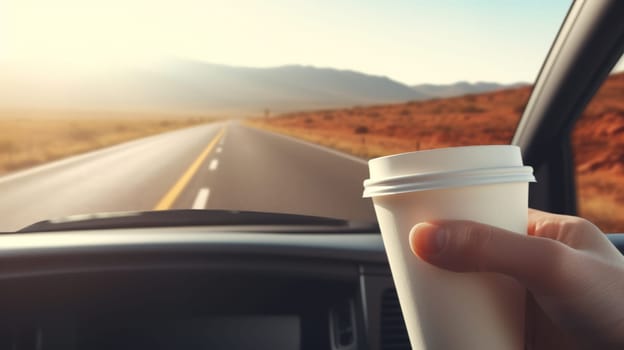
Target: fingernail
(427, 239)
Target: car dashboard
(191, 287)
(198, 288)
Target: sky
(411, 41)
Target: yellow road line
(167, 200)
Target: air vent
(342, 326)
(393, 331)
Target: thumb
(465, 246)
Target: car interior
(247, 280)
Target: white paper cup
(489, 184)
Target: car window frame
(588, 44)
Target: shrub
(391, 129)
(361, 129)
(473, 109)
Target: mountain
(204, 87)
(461, 88)
(193, 86)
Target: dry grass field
(488, 118)
(32, 137)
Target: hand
(573, 273)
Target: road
(212, 166)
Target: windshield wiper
(177, 218)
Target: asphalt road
(214, 166)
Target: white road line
(201, 199)
(213, 164)
(219, 149)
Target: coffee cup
(488, 184)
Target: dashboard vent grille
(393, 331)
(342, 326)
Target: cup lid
(446, 167)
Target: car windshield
(272, 106)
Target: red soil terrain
(487, 118)
(598, 143)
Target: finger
(544, 224)
(465, 246)
(554, 226)
(572, 231)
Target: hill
(462, 88)
(199, 87)
(182, 85)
